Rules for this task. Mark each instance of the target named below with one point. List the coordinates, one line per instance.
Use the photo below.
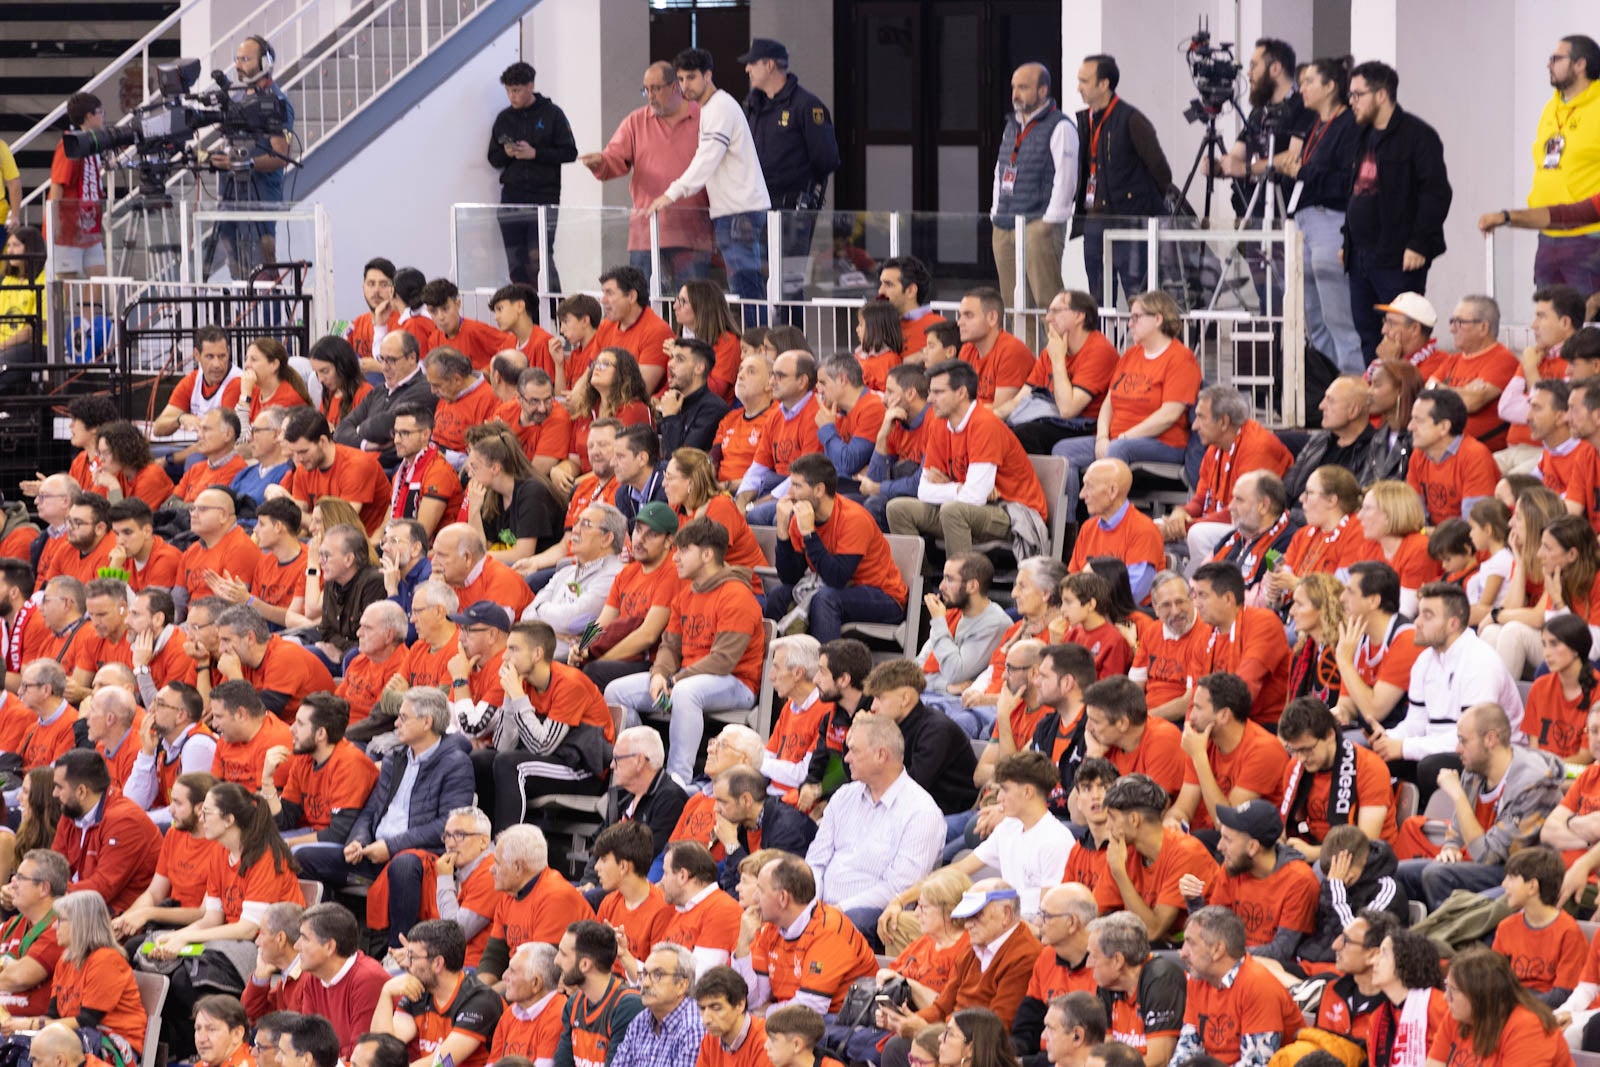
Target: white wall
(393, 197)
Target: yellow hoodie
(1577, 176)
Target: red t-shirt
(1139, 386)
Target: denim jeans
(691, 699)
(830, 608)
(678, 265)
(742, 240)
(1330, 327)
(1079, 453)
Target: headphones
(268, 56)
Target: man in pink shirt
(655, 144)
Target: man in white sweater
(726, 167)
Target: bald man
(1035, 177)
(1117, 528)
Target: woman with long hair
(1556, 710)
(338, 370)
(1494, 1019)
(268, 381)
(1157, 380)
(1317, 614)
(612, 388)
(1412, 1008)
(93, 984)
(1330, 540)
(1322, 167)
(254, 870)
(702, 311)
(1392, 518)
(127, 469)
(975, 1037)
(690, 484)
(507, 502)
(879, 342)
(220, 1031)
(40, 811)
(1395, 385)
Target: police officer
(793, 133)
(262, 180)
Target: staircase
(50, 48)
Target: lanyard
(1095, 129)
(1023, 136)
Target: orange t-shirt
(1007, 366)
(738, 439)
(479, 342)
(1523, 1041)
(1284, 900)
(453, 418)
(104, 982)
(1090, 368)
(1555, 723)
(1257, 650)
(245, 895)
(728, 607)
(289, 671)
(241, 762)
(202, 476)
(984, 438)
(852, 531)
(1158, 754)
(712, 924)
(234, 553)
(278, 583)
(645, 925)
(1134, 539)
(354, 476)
(1139, 386)
(1465, 474)
(1496, 365)
(1254, 1003)
(785, 439)
(341, 783)
(364, 680)
(1256, 763)
(1551, 957)
(1573, 475)
(1156, 881)
(185, 862)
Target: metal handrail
(140, 49)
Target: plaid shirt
(673, 1042)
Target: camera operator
(1278, 122)
(253, 61)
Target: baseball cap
(975, 900)
(658, 517)
(1413, 306)
(1257, 818)
(484, 613)
(765, 48)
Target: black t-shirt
(534, 512)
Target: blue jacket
(444, 784)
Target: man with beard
(426, 487)
(1036, 177)
(1268, 885)
(543, 426)
(642, 594)
(329, 778)
(106, 600)
(690, 412)
(433, 1004)
(89, 540)
(601, 1006)
(171, 743)
(108, 841)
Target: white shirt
(1029, 860)
(725, 163)
(1443, 686)
(868, 852)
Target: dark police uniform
(795, 142)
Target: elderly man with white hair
(881, 834)
(576, 593)
(531, 1025)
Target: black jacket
(1413, 195)
(782, 827)
(373, 418)
(794, 139)
(695, 424)
(545, 127)
(939, 758)
(658, 809)
(1131, 172)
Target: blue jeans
(742, 240)
(691, 699)
(1371, 285)
(1330, 327)
(1079, 453)
(830, 608)
(678, 265)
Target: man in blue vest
(1035, 177)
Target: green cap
(658, 517)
